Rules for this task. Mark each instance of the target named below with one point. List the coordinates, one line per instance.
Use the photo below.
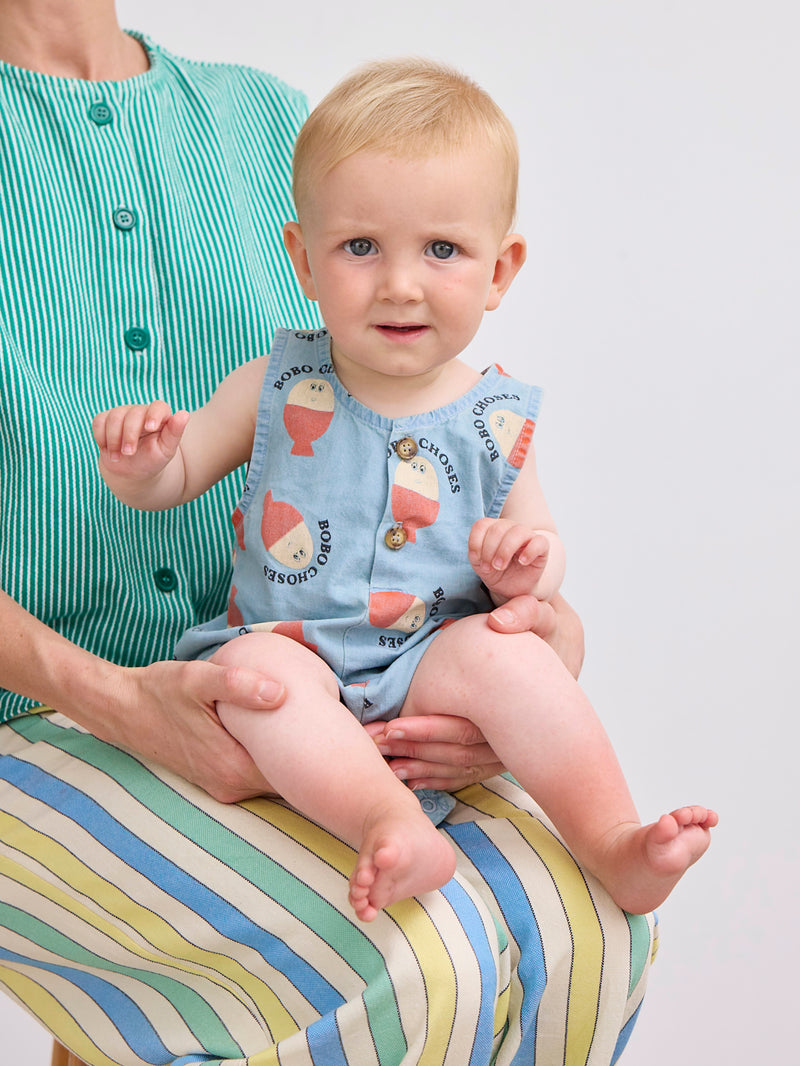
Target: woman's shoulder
(233, 79)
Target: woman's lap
(577, 960)
(151, 947)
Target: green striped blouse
(141, 258)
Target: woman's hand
(435, 751)
(166, 712)
(554, 621)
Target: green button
(124, 218)
(100, 114)
(137, 338)
(166, 579)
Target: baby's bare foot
(651, 859)
(400, 856)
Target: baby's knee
(476, 642)
(275, 655)
(248, 649)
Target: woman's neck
(69, 39)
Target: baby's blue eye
(442, 249)
(359, 246)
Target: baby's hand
(509, 558)
(138, 441)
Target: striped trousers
(142, 922)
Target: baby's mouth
(401, 328)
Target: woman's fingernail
(401, 774)
(395, 734)
(270, 691)
(503, 615)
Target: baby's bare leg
(318, 757)
(543, 728)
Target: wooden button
(395, 538)
(406, 448)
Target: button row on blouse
(124, 218)
(137, 337)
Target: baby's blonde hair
(411, 107)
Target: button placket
(396, 537)
(124, 220)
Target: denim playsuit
(351, 532)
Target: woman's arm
(165, 711)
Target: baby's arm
(153, 459)
(520, 552)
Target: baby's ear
(510, 258)
(296, 247)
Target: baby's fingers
(172, 431)
(142, 422)
(119, 431)
(501, 541)
(480, 544)
(535, 552)
(112, 428)
(514, 542)
(99, 428)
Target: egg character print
(396, 610)
(415, 495)
(513, 433)
(293, 630)
(285, 534)
(238, 526)
(308, 413)
(235, 619)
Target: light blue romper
(351, 532)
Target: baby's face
(403, 256)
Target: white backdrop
(659, 309)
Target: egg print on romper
(415, 495)
(308, 413)
(396, 610)
(513, 434)
(234, 617)
(293, 630)
(238, 525)
(285, 534)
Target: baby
(392, 499)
